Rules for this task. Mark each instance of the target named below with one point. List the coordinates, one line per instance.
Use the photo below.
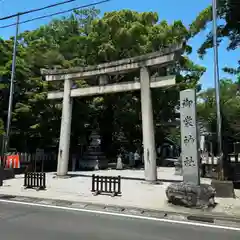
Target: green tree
(83, 39)
(228, 12)
(230, 111)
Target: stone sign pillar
(65, 132)
(148, 127)
(189, 137)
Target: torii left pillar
(149, 150)
(64, 143)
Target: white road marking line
(125, 215)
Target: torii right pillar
(149, 148)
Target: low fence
(35, 180)
(37, 162)
(209, 160)
(32, 157)
(234, 160)
(106, 184)
(209, 165)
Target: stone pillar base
(62, 176)
(191, 195)
(224, 189)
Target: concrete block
(224, 189)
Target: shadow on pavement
(126, 178)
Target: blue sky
(170, 10)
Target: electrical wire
(37, 9)
(57, 13)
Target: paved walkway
(135, 192)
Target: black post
(25, 179)
(119, 184)
(42, 164)
(93, 183)
(101, 184)
(35, 163)
(44, 180)
(106, 183)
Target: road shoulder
(184, 215)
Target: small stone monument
(94, 158)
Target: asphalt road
(21, 222)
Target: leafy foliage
(228, 12)
(230, 108)
(83, 39)
(230, 113)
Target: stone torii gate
(102, 71)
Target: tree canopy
(228, 28)
(228, 13)
(230, 111)
(81, 39)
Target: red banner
(12, 161)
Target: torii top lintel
(158, 58)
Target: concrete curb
(198, 217)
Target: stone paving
(135, 192)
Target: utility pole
(217, 89)
(11, 91)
